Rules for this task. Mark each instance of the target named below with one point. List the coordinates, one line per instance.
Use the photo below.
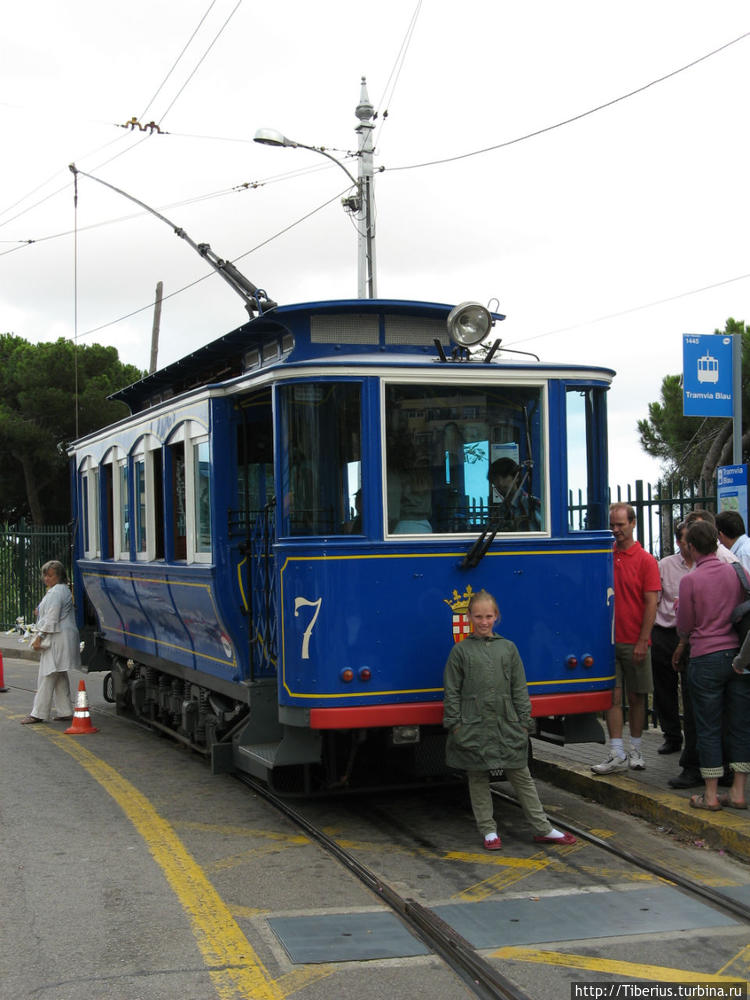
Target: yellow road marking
(233, 965)
(739, 966)
(629, 970)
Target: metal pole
(366, 279)
(156, 326)
(737, 399)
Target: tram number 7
(302, 602)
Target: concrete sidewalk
(643, 793)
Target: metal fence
(23, 550)
(659, 508)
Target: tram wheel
(108, 688)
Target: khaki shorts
(635, 678)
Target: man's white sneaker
(635, 761)
(612, 763)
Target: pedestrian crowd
(675, 637)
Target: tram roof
(302, 332)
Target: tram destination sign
(706, 375)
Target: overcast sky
(603, 240)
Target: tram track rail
(718, 899)
(478, 976)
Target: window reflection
(462, 459)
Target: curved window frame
(145, 452)
(192, 435)
(89, 512)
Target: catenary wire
(22, 244)
(177, 60)
(200, 61)
(390, 89)
(626, 312)
(580, 115)
(211, 274)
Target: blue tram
(276, 548)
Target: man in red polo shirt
(637, 586)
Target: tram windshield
(462, 459)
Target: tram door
(255, 521)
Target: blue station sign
(731, 483)
(706, 375)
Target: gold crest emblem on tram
(459, 605)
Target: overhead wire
(234, 260)
(194, 200)
(626, 312)
(392, 81)
(394, 75)
(120, 138)
(201, 61)
(576, 117)
(173, 67)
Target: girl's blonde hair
(483, 595)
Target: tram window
(156, 471)
(254, 455)
(139, 502)
(586, 433)
(179, 518)
(202, 496)
(462, 459)
(90, 512)
(84, 480)
(108, 540)
(124, 510)
(321, 427)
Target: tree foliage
(693, 447)
(41, 386)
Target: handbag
(45, 642)
(740, 616)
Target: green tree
(694, 447)
(41, 385)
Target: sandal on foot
(567, 838)
(30, 720)
(494, 844)
(726, 800)
(699, 802)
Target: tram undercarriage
(248, 737)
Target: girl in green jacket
(487, 712)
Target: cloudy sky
(584, 164)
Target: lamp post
(362, 204)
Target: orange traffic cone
(81, 716)
(3, 688)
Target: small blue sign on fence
(706, 375)
(731, 487)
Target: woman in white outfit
(59, 642)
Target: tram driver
(517, 510)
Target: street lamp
(362, 204)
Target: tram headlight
(347, 675)
(469, 323)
